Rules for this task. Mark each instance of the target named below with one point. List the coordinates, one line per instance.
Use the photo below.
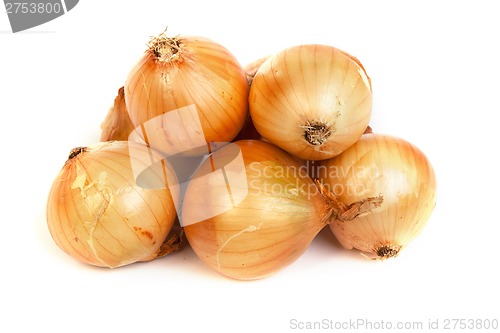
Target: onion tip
(387, 251)
(344, 213)
(316, 133)
(75, 152)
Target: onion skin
(117, 125)
(99, 215)
(187, 71)
(252, 68)
(265, 232)
(394, 169)
(313, 101)
(248, 132)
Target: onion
(251, 210)
(387, 166)
(111, 204)
(314, 101)
(252, 68)
(180, 72)
(117, 125)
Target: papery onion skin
(314, 101)
(394, 169)
(99, 215)
(267, 231)
(117, 125)
(252, 68)
(182, 71)
(249, 132)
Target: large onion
(187, 72)
(111, 204)
(387, 166)
(314, 101)
(251, 210)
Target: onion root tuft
(316, 133)
(166, 49)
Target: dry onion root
(251, 210)
(101, 212)
(313, 101)
(391, 167)
(183, 72)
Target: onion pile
(250, 163)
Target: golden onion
(251, 210)
(386, 166)
(111, 204)
(196, 77)
(313, 101)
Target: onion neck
(75, 152)
(338, 211)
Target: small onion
(387, 166)
(252, 68)
(251, 210)
(111, 204)
(117, 125)
(314, 101)
(180, 72)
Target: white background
(435, 72)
